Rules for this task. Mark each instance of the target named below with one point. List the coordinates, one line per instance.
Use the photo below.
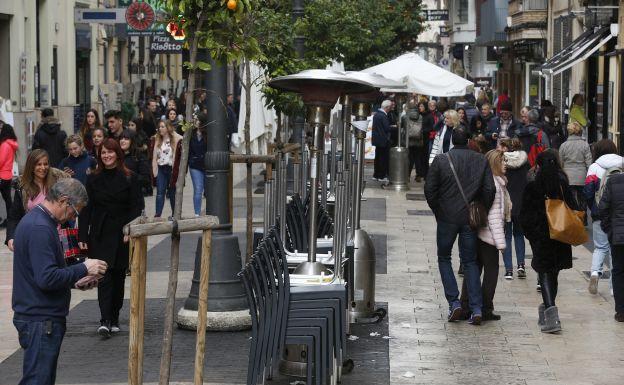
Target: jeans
(618, 277)
(41, 341)
(487, 262)
(111, 294)
(513, 229)
(163, 180)
(197, 177)
(445, 238)
(382, 159)
(602, 250)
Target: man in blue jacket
(502, 126)
(382, 141)
(42, 281)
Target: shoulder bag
(477, 214)
(564, 224)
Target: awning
(580, 49)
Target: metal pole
(284, 193)
(359, 174)
(267, 206)
(323, 179)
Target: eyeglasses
(73, 208)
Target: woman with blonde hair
(491, 239)
(166, 152)
(32, 189)
(442, 142)
(576, 157)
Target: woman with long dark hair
(197, 151)
(32, 189)
(549, 256)
(115, 199)
(134, 159)
(90, 122)
(8, 148)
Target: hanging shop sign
(144, 18)
(165, 44)
(437, 15)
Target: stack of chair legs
(282, 315)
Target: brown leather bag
(477, 214)
(565, 225)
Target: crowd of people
(490, 179)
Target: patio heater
(399, 158)
(320, 90)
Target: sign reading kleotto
(165, 44)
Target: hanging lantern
(179, 34)
(172, 27)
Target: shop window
(461, 6)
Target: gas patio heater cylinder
(320, 90)
(399, 160)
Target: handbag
(68, 236)
(564, 224)
(477, 214)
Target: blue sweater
(41, 279)
(80, 165)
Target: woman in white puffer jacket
(492, 237)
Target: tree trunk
(247, 87)
(165, 358)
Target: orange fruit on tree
(231, 4)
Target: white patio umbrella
(422, 77)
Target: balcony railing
(516, 6)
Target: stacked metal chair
(310, 315)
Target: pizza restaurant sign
(165, 44)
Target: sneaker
(509, 275)
(491, 316)
(475, 319)
(593, 282)
(619, 317)
(538, 286)
(521, 272)
(418, 179)
(384, 180)
(375, 179)
(104, 330)
(115, 329)
(455, 313)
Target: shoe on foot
(104, 330)
(509, 275)
(538, 287)
(619, 317)
(115, 328)
(593, 282)
(455, 313)
(418, 179)
(475, 319)
(491, 316)
(521, 272)
(551, 320)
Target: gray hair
(533, 116)
(68, 188)
(385, 104)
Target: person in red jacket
(8, 148)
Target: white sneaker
(114, 329)
(593, 282)
(103, 331)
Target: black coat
(114, 200)
(494, 127)
(548, 255)
(141, 168)
(381, 130)
(611, 209)
(516, 182)
(442, 193)
(51, 138)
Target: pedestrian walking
(413, 122)
(42, 281)
(453, 181)
(491, 239)
(114, 199)
(611, 214)
(549, 256)
(517, 163)
(382, 141)
(197, 153)
(172, 117)
(166, 152)
(8, 148)
(98, 135)
(502, 126)
(140, 138)
(135, 161)
(90, 122)
(50, 137)
(533, 138)
(78, 163)
(463, 121)
(115, 124)
(443, 142)
(430, 122)
(576, 158)
(607, 162)
(31, 189)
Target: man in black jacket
(445, 199)
(382, 141)
(611, 213)
(502, 126)
(50, 137)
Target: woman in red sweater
(8, 148)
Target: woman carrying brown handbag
(549, 256)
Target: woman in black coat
(134, 160)
(115, 199)
(549, 256)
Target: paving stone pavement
(424, 348)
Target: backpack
(603, 181)
(414, 130)
(536, 149)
